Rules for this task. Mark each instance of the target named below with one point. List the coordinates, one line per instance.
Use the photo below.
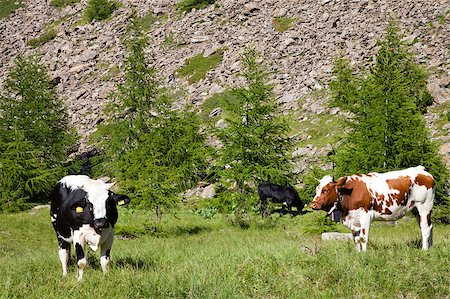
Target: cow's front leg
(356, 236)
(364, 232)
(106, 251)
(64, 254)
(80, 244)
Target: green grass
(197, 67)
(48, 35)
(323, 128)
(443, 112)
(63, 3)
(281, 24)
(188, 5)
(148, 20)
(220, 100)
(8, 6)
(198, 258)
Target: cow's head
(92, 202)
(327, 193)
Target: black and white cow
(286, 195)
(83, 211)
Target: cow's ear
(122, 200)
(341, 182)
(345, 183)
(110, 185)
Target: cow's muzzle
(101, 223)
(315, 206)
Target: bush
(99, 10)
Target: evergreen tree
(388, 129)
(256, 146)
(35, 138)
(132, 106)
(155, 151)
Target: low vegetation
(196, 68)
(99, 10)
(63, 3)
(8, 6)
(188, 5)
(281, 24)
(194, 257)
(48, 35)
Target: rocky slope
(85, 60)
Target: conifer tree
(155, 151)
(256, 145)
(35, 138)
(388, 129)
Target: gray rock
(336, 236)
(88, 55)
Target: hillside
(85, 59)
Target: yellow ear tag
(121, 202)
(79, 210)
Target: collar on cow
(338, 204)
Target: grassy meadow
(193, 257)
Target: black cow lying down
(83, 211)
(286, 195)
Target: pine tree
(35, 138)
(132, 106)
(256, 145)
(388, 129)
(155, 151)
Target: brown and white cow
(379, 196)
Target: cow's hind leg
(64, 253)
(263, 208)
(426, 228)
(106, 251)
(361, 234)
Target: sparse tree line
(157, 152)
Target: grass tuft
(197, 67)
(8, 6)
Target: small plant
(207, 212)
(281, 24)
(8, 6)
(148, 20)
(169, 39)
(48, 35)
(188, 5)
(63, 3)
(99, 10)
(198, 66)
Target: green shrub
(99, 10)
(188, 5)
(48, 35)
(63, 3)
(8, 6)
